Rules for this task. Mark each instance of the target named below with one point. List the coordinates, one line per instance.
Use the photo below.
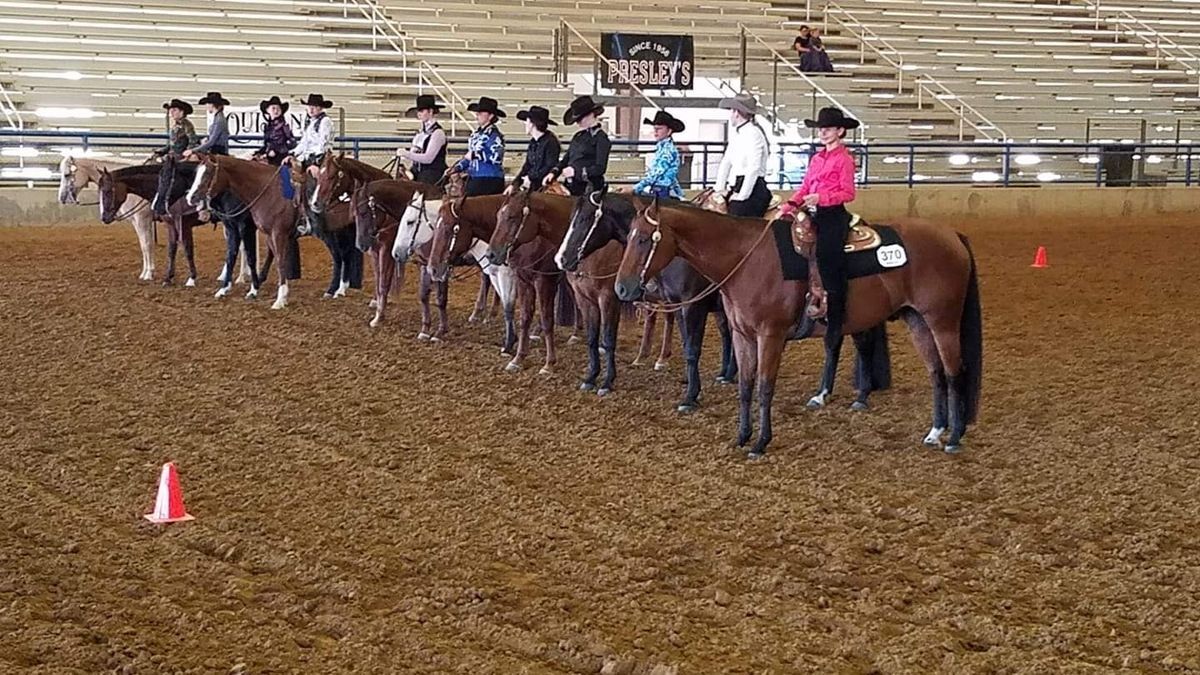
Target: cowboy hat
(831, 118)
(487, 104)
(665, 119)
(424, 102)
(317, 100)
(536, 114)
(580, 108)
(743, 103)
(274, 100)
(215, 98)
(181, 105)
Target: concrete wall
(939, 203)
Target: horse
(257, 186)
(328, 217)
(467, 223)
(541, 216)
(937, 293)
(79, 173)
(415, 238)
(114, 189)
(174, 179)
(597, 221)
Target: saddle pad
(861, 264)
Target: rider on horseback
(828, 186)
(217, 141)
(428, 153)
(583, 166)
(662, 179)
(542, 154)
(183, 134)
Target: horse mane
(676, 205)
(360, 168)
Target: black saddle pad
(889, 255)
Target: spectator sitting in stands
(816, 60)
(800, 44)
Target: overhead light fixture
(1048, 177)
(1089, 159)
(985, 176)
(959, 159)
(1027, 160)
(1154, 159)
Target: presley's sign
(648, 61)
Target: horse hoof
(372, 304)
(636, 362)
(512, 367)
(933, 439)
(686, 408)
(472, 319)
(860, 406)
(546, 370)
(587, 387)
(721, 379)
(373, 323)
(571, 340)
(423, 337)
(327, 295)
(535, 338)
(756, 455)
(814, 404)
(660, 365)
(191, 282)
(953, 449)
(252, 295)
(435, 339)
(603, 391)
(278, 305)
(222, 292)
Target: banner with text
(648, 61)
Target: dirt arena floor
(366, 503)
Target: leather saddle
(861, 236)
(705, 200)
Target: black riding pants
(833, 223)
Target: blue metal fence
(34, 156)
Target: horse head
(650, 247)
(69, 184)
(209, 182)
(414, 228)
(511, 230)
(332, 181)
(581, 233)
(112, 194)
(451, 238)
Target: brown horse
(466, 220)
(936, 292)
(378, 207)
(257, 186)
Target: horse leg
(691, 331)
(480, 310)
(384, 273)
(335, 254)
(923, 340)
(664, 354)
(747, 357)
(527, 295)
(610, 323)
(423, 290)
(947, 337)
(172, 249)
(591, 322)
(497, 304)
(443, 292)
(872, 365)
(266, 268)
(504, 282)
(770, 352)
(547, 287)
(647, 338)
(833, 351)
(244, 269)
(143, 225)
(347, 253)
(281, 238)
(189, 251)
(250, 257)
(729, 364)
(232, 241)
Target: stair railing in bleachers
(1124, 23)
(562, 57)
(12, 114)
(381, 26)
(427, 75)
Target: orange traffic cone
(1039, 258)
(168, 507)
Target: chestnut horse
(464, 221)
(936, 292)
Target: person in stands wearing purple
(484, 162)
(278, 140)
(541, 156)
(217, 141)
(428, 152)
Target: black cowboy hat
(176, 103)
(274, 100)
(666, 119)
(424, 102)
(487, 104)
(215, 98)
(535, 114)
(831, 118)
(580, 108)
(317, 100)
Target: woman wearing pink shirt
(828, 186)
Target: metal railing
(923, 84)
(562, 57)
(381, 26)
(12, 114)
(1129, 25)
(444, 91)
(776, 60)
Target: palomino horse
(174, 179)
(536, 216)
(114, 189)
(466, 222)
(257, 186)
(414, 239)
(79, 173)
(936, 292)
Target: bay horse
(114, 189)
(327, 216)
(937, 293)
(79, 173)
(468, 224)
(415, 239)
(174, 179)
(589, 228)
(257, 186)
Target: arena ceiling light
(985, 176)
(1027, 159)
(959, 159)
(1048, 177)
(1089, 159)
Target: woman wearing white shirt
(317, 138)
(741, 177)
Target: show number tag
(892, 255)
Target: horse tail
(971, 342)
(564, 305)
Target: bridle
(598, 203)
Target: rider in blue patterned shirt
(662, 179)
(484, 162)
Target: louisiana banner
(648, 61)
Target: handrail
(12, 114)
(1123, 19)
(611, 63)
(457, 105)
(376, 16)
(924, 82)
(779, 58)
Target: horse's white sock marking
(934, 437)
(191, 193)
